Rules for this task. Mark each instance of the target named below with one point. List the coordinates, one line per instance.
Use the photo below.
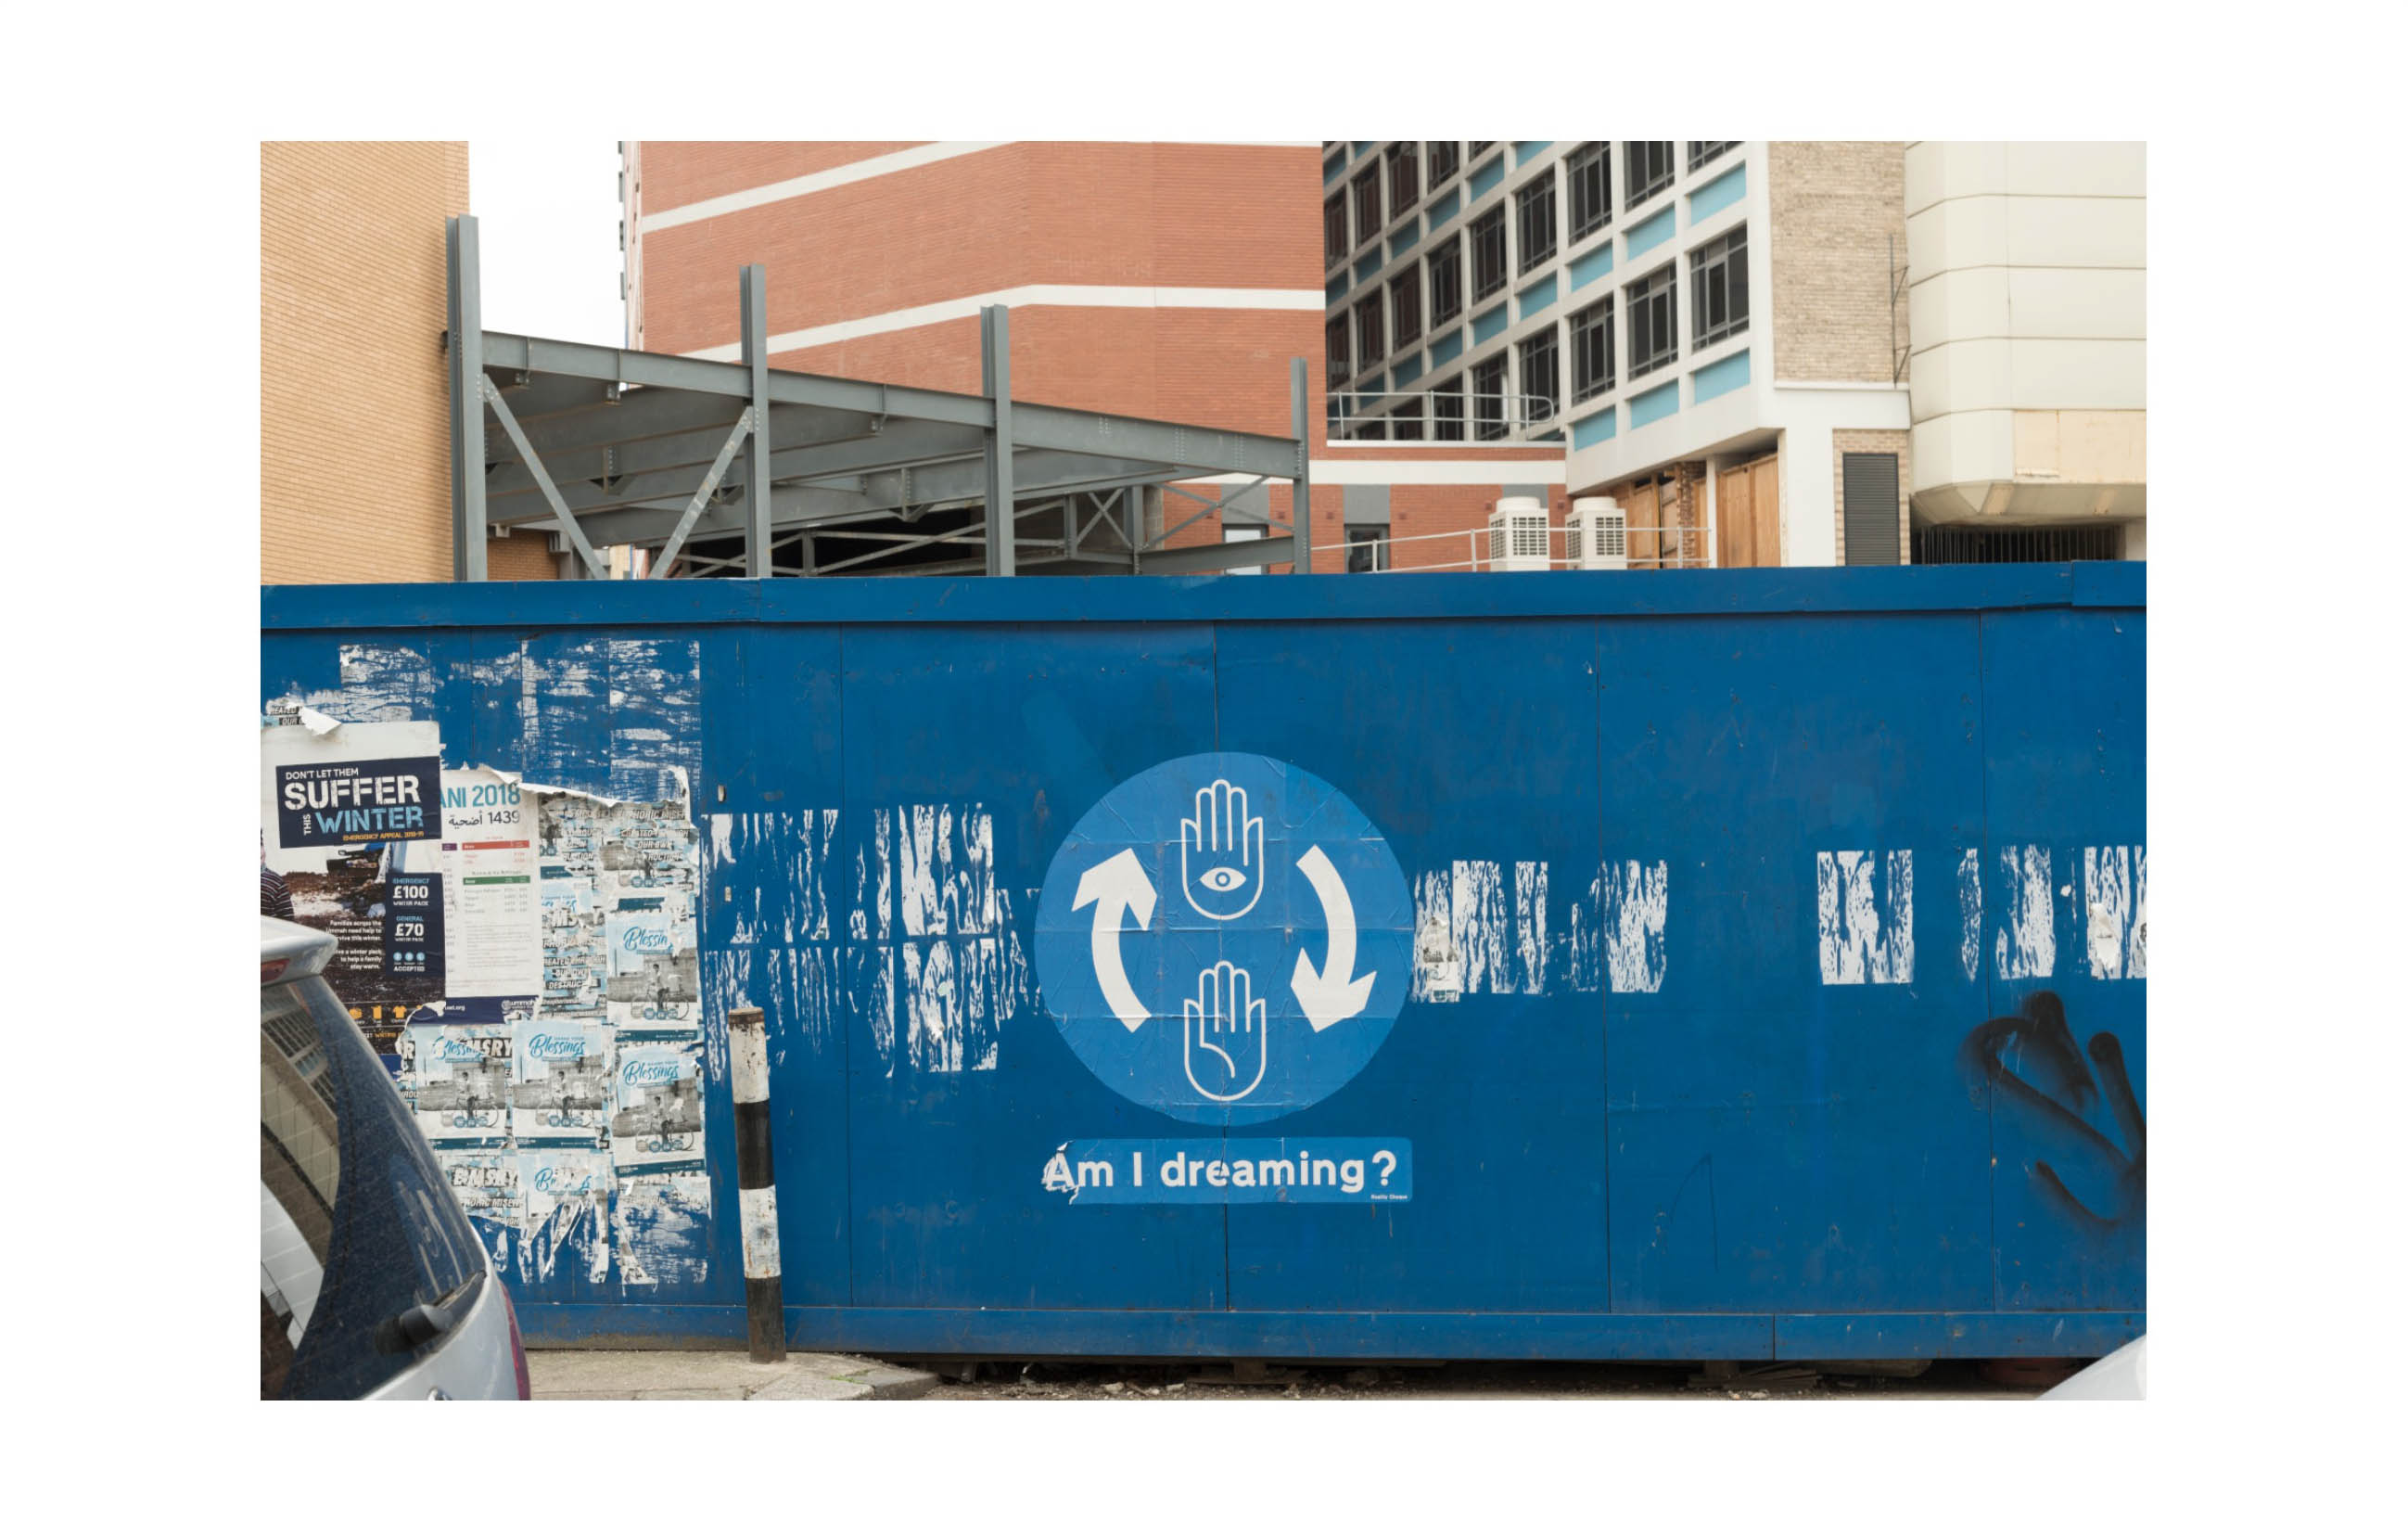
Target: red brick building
(1173, 281)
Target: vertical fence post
(756, 1186)
(1299, 488)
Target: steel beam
(756, 506)
(956, 480)
(752, 307)
(603, 454)
(995, 376)
(1202, 557)
(1299, 503)
(567, 519)
(1191, 448)
(465, 315)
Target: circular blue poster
(1224, 938)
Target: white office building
(1750, 346)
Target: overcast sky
(548, 224)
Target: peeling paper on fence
(1633, 902)
(2027, 935)
(1865, 927)
(2115, 896)
(1969, 906)
(938, 962)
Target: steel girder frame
(610, 446)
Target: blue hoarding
(1672, 965)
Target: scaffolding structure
(736, 469)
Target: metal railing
(1677, 541)
(1515, 419)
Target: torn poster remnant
(531, 967)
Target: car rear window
(356, 1224)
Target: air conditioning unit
(1517, 534)
(1593, 535)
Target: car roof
(303, 949)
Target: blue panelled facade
(1691, 1128)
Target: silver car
(371, 1282)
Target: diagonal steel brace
(542, 478)
(702, 493)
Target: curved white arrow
(1334, 993)
(1119, 882)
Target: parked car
(2122, 1376)
(371, 1282)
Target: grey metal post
(994, 354)
(1301, 490)
(753, 306)
(756, 1184)
(465, 315)
(1136, 524)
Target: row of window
(1718, 309)
(1381, 193)
(1385, 322)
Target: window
(1869, 508)
(1593, 351)
(1336, 162)
(1646, 170)
(1700, 153)
(1446, 282)
(1406, 421)
(1446, 411)
(1369, 428)
(1590, 171)
(1482, 146)
(1540, 384)
(1333, 230)
(1534, 220)
(1718, 288)
(1341, 361)
(1404, 176)
(1488, 398)
(1487, 253)
(1366, 547)
(1444, 160)
(1405, 307)
(1370, 335)
(1654, 341)
(1242, 536)
(1367, 222)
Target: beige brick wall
(1836, 207)
(354, 448)
(1846, 442)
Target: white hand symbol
(1228, 1030)
(1221, 853)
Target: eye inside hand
(1222, 878)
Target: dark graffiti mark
(2032, 1059)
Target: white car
(371, 1283)
(2122, 1376)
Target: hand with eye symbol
(1221, 853)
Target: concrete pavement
(688, 1375)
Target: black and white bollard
(756, 1184)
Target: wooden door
(1747, 514)
(1764, 499)
(1640, 524)
(1734, 524)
